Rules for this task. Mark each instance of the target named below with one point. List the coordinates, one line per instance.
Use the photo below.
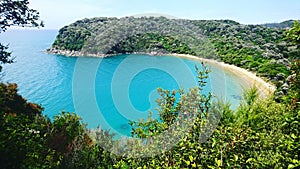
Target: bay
(107, 92)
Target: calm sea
(107, 92)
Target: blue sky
(57, 13)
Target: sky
(58, 13)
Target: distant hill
(281, 25)
(105, 36)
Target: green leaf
(188, 162)
(236, 157)
(194, 165)
(218, 162)
(249, 160)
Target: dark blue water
(106, 92)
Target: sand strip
(247, 78)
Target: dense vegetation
(100, 36)
(282, 25)
(150, 42)
(29, 139)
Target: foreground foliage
(29, 139)
(260, 134)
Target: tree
(293, 34)
(15, 13)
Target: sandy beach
(247, 78)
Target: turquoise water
(106, 92)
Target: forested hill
(254, 47)
(282, 25)
(101, 36)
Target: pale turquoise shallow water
(106, 92)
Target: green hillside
(281, 25)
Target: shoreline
(68, 53)
(247, 78)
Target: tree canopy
(293, 34)
(15, 13)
